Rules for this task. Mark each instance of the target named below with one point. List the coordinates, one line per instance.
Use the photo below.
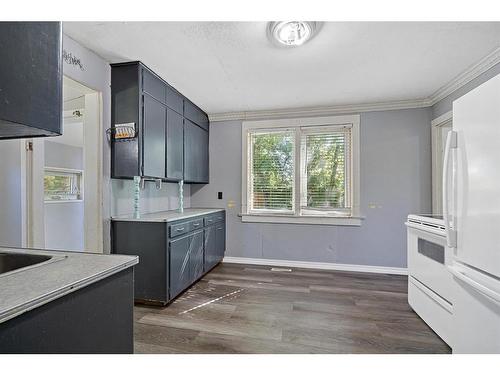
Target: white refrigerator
(471, 209)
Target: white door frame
(33, 172)
(437, 168)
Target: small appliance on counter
(430, 284)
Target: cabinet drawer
(209, 220)
(153, 86)
(195, 114)
(174, 100)
(196, 224)
(219, 216)
(178, 229)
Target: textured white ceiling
(231, 66)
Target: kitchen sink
(10, 262)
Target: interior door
(476, 119)
(154, 137)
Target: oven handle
(451, 234)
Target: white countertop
(34, 286)
(167, 216)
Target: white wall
(11, 197)
(395, 180)
(64, 221)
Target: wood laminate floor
(253, 309)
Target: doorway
(440, 128)
(64, 177)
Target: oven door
(428, 257)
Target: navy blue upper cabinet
(154, 122)
(195, 153)
(195, 114)
(140, 98)
(30, 79)
(175, 145)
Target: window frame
(249, 168)
(67, 171)
(302, 126)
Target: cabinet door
(153, 85)
(30, 79)
(154, 119)
(220, 240)
(175, 101)
(196, 258)
(180, 276)
(210, 247)
(175, 145)
(195, 114)
(195, 153)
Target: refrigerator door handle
(451, 234)
(461, 275)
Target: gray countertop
(26, 289)
(167, 216)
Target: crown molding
(462, 79)
(466, 76)
(319, 111)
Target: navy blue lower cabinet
(96, 319)
(210, 249)
(180, 277)
(220, 240)
(173, 255)
(197, 255)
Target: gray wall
(446, 104)
(395, 177)
(64, 221)
(11, 194)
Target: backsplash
(152, 199)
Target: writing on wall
(71, 59)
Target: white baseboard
(317, 265)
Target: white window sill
(64, 201)
(317, 220)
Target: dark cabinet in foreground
(30, 79)
(98, 318)
(172, 255)
(171, 133)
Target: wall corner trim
(466, 76)
(317, 265)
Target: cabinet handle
(180, 229)
(196, 224)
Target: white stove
(430, 284)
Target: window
(272, 171)
(301, 170)
(62, 185)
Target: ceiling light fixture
(292, 33)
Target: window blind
(325, 170)
(272, 163)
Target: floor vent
(276, 269)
